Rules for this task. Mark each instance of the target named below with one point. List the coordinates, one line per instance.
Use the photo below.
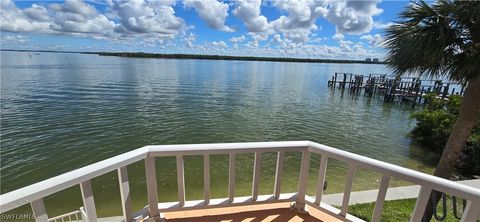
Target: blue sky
(280, 28)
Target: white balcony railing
(34, 193)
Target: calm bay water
(62, 111)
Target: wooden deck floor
(279, 212)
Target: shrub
(434, 124)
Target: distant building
(375, 60)
(368, 59)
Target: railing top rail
(223, 148)
(50, 186)
(403, 173)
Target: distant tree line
(209, 57)
(224, 57)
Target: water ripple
(67, 111)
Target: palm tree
(441, 40)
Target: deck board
(263, 212)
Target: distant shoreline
(206, 57)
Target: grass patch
(396, 210)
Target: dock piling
(405, 89)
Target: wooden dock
(403, 89)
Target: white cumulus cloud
(189, 39)
(79, 17)
(138, 16)
(237, 39)
(212, 12)
(374, 40)
(151, 22)
(277, 39)
(302, 14)
(36, 12)
(297, 25)
(338, 36)
(13, 19)
(353, 17)
(249, 12)
(219, 44)
(71, 17)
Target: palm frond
(435, 40)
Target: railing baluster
(278, 174)
(472, 211)
(181, 180)
(303, 181)
(83, 214)
(348, 190)
(88, 201)
(421, 203)
(322, 171)
(151, 177)
(125, 193)
(382, 192)
(38, 208)
(256, 174)
(231, 176)
(206, 178)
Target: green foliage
(469, 163)
(434, 124)
(433, 128)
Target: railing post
(256, 174)
(180, 181)
(206, 178)
(231, 177)
(348, 190)
(88, 201)
(322, 172)
(278, 174)
(152, 193)
(299, 204)
(39, 212)
(125, 193)
(472, 211)
(421, 203)
(382, 192)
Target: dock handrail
(35, 193)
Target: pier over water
(403, 89)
